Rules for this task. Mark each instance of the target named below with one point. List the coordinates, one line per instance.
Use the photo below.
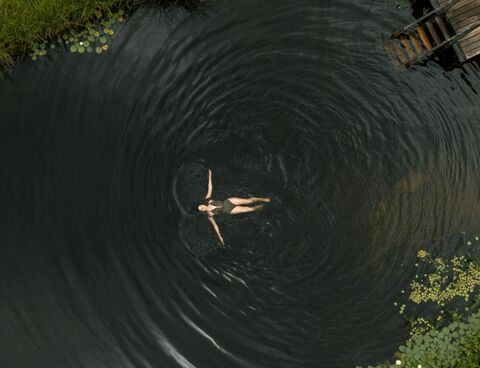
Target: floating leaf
(34, 57)
(90, 38)
(73, 48)
(121, 12)
(52, 46)
(103, 40)
(89, 49)
(81, 49)
(98, 50)
(86, 43)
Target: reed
(24, 23)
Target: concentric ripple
(105, 261)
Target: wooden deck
(461, 15)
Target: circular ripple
(286, 99)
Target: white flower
(81, 43)
(398, 362)
(419, 366)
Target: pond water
(103, 157)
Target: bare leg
(243, 201)
(241, 209)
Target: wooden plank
(459, 27)
(459, 5)
(462, 15)
(471, 37)
(443, 27)
(416, 44)
(424, 37)
(459, 13)
(434, 33)
(469, 48)
(408, 47)
(462, 7)
(473, 53)
(400, 53)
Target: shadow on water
(105, 263)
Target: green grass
(23, 23)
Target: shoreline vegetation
(442, 308)
(24, 25)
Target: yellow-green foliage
(25, 24)
(449, 335)
(92, 38)
(456, 278)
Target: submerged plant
(93, 37)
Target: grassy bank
(24, 23)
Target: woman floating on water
(230, 206)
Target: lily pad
(98, 50)
(89, 49)
(81, 50)
(103, 40)
(73, 48)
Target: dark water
(103, 261)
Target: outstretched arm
(217, 230)
(210, 186)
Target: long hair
(204, 202)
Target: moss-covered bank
(26, 23)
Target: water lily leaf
(90, 38)
(86, 43)
(34, 57)
(89, 49)
(73, 48)
(103, 39)
(121, 12)
(98, 50)
(81, 49)
(52, 46)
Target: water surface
(103, 158)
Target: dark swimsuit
(220, 206)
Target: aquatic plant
(448, 335)
(92, 38)
(30, 28)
